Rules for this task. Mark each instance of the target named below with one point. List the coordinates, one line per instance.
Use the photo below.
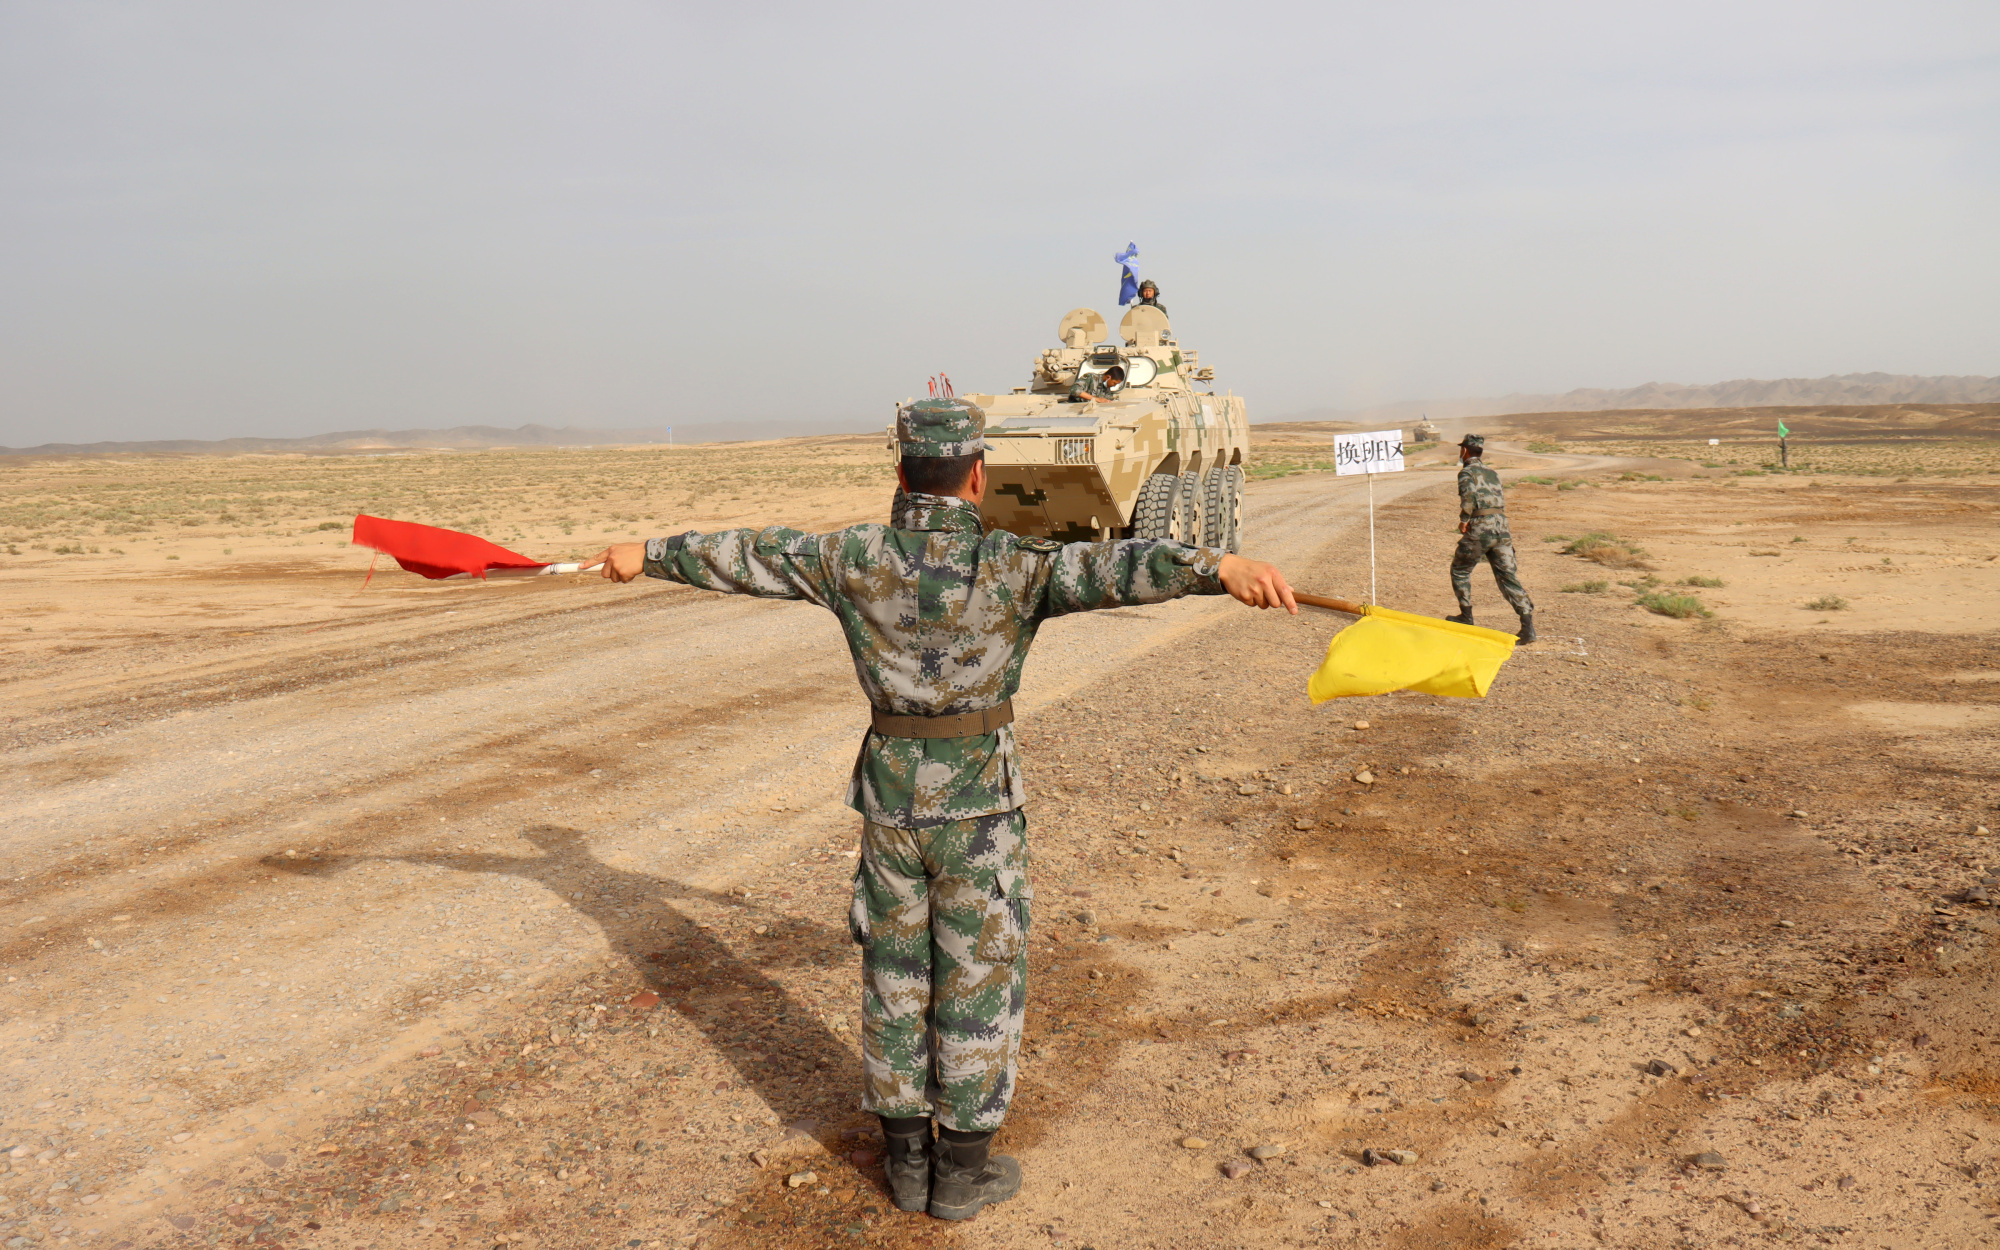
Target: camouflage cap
(1473, 442)
(941, 427)
(1147, 284)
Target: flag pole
(1372, 596)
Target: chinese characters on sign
(1377, 452)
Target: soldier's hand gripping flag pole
(1388, 650)
(441, 554)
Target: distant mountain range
(458, 438)
(1847, 389)
(1842, 389)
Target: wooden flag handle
(1337, 605)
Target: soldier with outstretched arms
(1482, 526)
(939, 616)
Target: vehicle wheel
(1192, 513)
(1158, 511)
(1214, 512)
(1232, 508)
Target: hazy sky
(248, 218)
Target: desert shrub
(1540, 481)
(1827, 603)
(1563, 538)
(1542, 447)
(1586, 588)
(331, 525)
(1606, 549)
(1668, 603)
(1798, 538)
(1698, 580)
(1569, 483)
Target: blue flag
(1128, 282)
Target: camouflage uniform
(1089, 385)
(1486, 538)
(938, 616)
(1151, 301)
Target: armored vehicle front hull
(1075, 472)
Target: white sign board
(1377, 452)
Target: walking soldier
(939, 617)
(1482, 525)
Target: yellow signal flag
(1388, 650)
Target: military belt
(958, 725)
(1487, 512)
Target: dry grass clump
(1587, 588)
(1674, 604)
(1698, 580)
(1827, 603)
(1608, 550)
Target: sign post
(1369, 453)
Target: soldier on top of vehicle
(1149, 295)
(1098, 387)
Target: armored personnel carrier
(1425, 432)
(1161, 459)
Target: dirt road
(473, 913)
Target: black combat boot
(908, 1160)
(1464, 616)
(1527, 633)
(964, 1178)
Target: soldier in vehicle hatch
(1482, 522)
(1149, 295)
(939, 614)
(1098, 387)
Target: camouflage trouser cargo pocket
(857, 913)
(1004, 936)
(942, 915)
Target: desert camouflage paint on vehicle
(1162, 459)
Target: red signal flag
(436, 553)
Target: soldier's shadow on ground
(790, 1059)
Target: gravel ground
(514, 916)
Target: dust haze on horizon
(228, 219)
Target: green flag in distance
(1782, 431)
